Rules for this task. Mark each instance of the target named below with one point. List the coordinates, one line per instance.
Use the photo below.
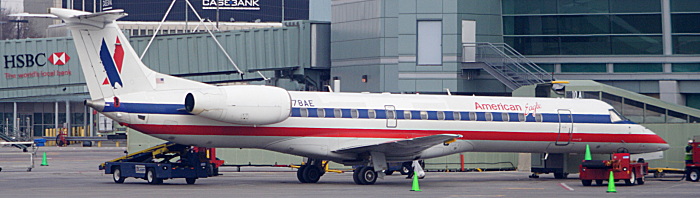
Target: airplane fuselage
(322, 122)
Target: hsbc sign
(59, 58)
(31, 60)
(15, 64)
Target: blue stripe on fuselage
(178, 109)
(448, 115)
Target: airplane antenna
(448, 91)
(330, 89)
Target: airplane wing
(402, 147)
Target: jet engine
(240, 104)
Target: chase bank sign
(231, 4)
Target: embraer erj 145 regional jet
(366, 130)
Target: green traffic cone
(611, 183)
(44, 162)
(415, 183)
(588, 153)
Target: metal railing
(505, 62)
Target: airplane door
(566, 127)
(391, 121)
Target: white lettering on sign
(303, 103)
(231, 4)
(106, 4)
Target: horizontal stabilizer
(99, 20)
(402, 147)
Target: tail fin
(110, 65)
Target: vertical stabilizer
(110, 64)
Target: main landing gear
(364, 175)
(312, 171)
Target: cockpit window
(615, 116)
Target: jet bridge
(675, 123)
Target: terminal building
(647, 48)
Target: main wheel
(117, 175)
(632, 180)
(190, 180)
(599, 182)
(312, 174)
(152, 178)
(366, 176)
(694, 175)
(356, 176)
(586, 182)
(300, 174)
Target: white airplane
(364, 129)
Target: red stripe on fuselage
(388, 133)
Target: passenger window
(489, 116)
(338, 113)
(538, 117)
(372, 114)
(472, 116)
(354, 113)
(304, 112)
(390, 114)
(321, 113)
(407, 115)
(423, 115)
(441, 115)
(505, 117)
(456, 115)
(521, 117)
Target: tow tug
(165, 161)
(621, 167)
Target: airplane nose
(663, 147)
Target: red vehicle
(621, 166)
(692, 168)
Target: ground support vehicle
(165, 161)
(620, 165)
(692, 168)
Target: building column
(68, 117)
(669, 92)
(56, 124)
(15, 123)
(91, 122)
(666, 27)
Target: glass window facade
(583, 67)
(685, 26)
(637, 67)
(591, 27)
(685, 67)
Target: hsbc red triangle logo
(59, 58)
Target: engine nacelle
(241, 104)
